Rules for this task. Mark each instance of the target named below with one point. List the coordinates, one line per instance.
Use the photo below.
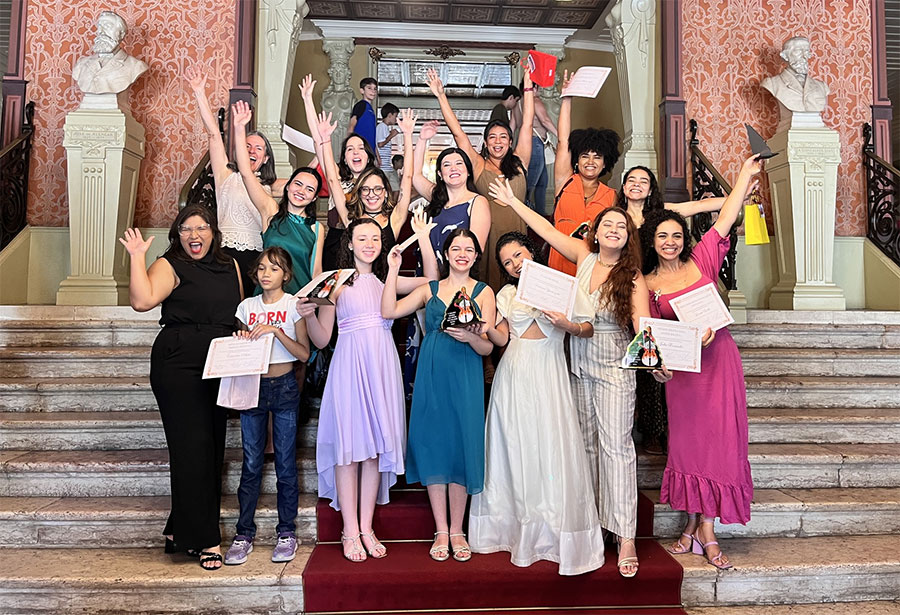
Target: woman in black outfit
(199, 288)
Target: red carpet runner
(408, 580)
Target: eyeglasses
(367, 190)
(186, 231)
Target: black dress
(200, 308)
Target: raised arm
(423, 185)
(324, 129)
(146, 289)
(320, 247)
(391, 307)
(540, 112)
(734, 201)
(689, 208)
(562, 168)
(264, 203)
(218, 157)
(307, 87)
(573, 249)
(524, 143)
(407, 123)
(640, 301)
(480, 220)
(459, 135)
(421, 227)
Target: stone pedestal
(104, 149)
(803, 180)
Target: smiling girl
(292, 223)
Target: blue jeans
(281, 397)
(537, 177)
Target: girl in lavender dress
(362, 420)
(707, 473)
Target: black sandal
(209, 556)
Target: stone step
(824, 425)
(76, 394)
(57, 431)
(121, 473)
(75, 361)
(820, 362)
(146, 581)
(871, 607)
(822, 392)
(122, 522)
(813, 466)
(796, 570)
(55, 333)
(806, 329)
(800, 513)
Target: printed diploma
(546, 289)
(235, 356)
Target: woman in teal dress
(445, 449)
(291, 224)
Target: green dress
(446, 426)
(298, 236)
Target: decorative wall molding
(333, 28)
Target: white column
(803, 180)
(632, 25)
(338, 96)
(279, 24)
(104, 149)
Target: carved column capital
(338, 96)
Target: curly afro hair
(648, 235)
(602, 141)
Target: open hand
(502, 192)
(407, 121)
(306, 87)
(429, 129)
(134, 243)
(421, 223)
(434, 82)
(326, 126)
(196, 77)
(241, 114)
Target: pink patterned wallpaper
(731, 45)
(169, 35)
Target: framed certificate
(235, 356)
(702, 307)
(679, 343)
(546, 289)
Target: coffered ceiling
(529, 13)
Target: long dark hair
(440, 196)
(654, 200)
(310, 210)
(602, 141)
(176, 250)
(344, 169)
(266, 172)
(355, 206)
(648, 237)
(619, 286)
(511, 165)
(523, 240)
(458, 232)
(345, 255)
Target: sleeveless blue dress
(446, 426)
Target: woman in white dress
(538, 500)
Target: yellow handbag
(755, 232)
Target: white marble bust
(109, 70)
(794, 89)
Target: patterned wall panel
(731, 45)
(167, 34)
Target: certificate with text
(679, 344)
(546, 289)
(702, 307)
(235, 356)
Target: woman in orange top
(582, 157)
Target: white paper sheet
(679, 343)
(546, 289)
(587, 81)
(702, 307)
(297, 139)
(234, 356)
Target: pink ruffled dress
(707, 471)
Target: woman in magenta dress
(707, 473)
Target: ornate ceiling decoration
(531, 13)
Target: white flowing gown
(538, 500)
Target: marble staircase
(83, 474)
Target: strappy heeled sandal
(440, 553)
(678, 548)
(356, 552)
(700, 549)
(378, 549)
(627, 561)
(210, 556)
(461, 554)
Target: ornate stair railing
(882, 199)
(14, 163)
(707, 183)
(200, 187)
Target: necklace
(607, 265)
(371, 214)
